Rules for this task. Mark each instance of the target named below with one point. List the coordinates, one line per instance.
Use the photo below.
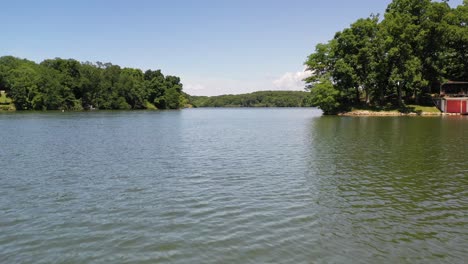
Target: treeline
(400, 59)
(255, 99)
(70, 85)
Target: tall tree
(355, 53)
(401, 59)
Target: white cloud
(194, 87)
(292, 80)
(217, 86)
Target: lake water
(232, 186)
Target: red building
(453, 98)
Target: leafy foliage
(68, 84)
(398, 60)
(325, 96)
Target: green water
(232, 186)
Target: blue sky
(216, 47)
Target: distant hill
(255, 99)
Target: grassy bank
(6, 104)
(402, 111)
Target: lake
(232, 186)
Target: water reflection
(231, 186)
(391, 188)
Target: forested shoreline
(379, 62)
(255, 99)
(389, 62)
(67, 84)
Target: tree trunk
(399, 95)
(358, 96)
(381, 95)
(416, 97)
(367, 95)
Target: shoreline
(394, 113)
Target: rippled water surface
(232, 186)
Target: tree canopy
(71, 85)
(255, 99)
(400, 58)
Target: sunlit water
(232, 186)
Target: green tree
(23, 85)
(398, 60)
(456, 37)
(325, 96)
(321, 62)
(131, 87)
(355, 55)
(90, 84)
(172, 98)
(68, 84)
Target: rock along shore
(391, 113)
